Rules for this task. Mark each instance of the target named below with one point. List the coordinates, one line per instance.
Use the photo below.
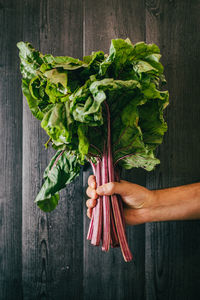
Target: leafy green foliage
(62, 169)
(67, 95)
(57, 123)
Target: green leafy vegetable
(67, 95)
(62, 169)
(106, 109)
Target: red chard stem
(90, 230)
(115, 205)
(106, 206)
(113, 232)
(97, 211)
(120, 199)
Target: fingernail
(93, 185)
(100, 190)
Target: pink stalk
(128, 155)
(113, 232)
(120, 199)
(115, 205)
(93, 167)
(106, 206)
(97, 212)
(121, 210)
(90, 230)
(120, 230)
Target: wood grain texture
(47, 256)
(10, 153)
(106, 275)
(52, 243)
(35, 248)
(172, 248)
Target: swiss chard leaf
(31, 60)
(32, 102)
(57, 122)
(63, 168)
(146, 160)
(83, 140)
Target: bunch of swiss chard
(106, 109)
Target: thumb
(110, 188)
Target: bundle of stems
(107, 225)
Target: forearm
(179, 203)
(142, 205)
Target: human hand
(137, 199)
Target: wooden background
(47, 256)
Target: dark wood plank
(172, 248)
(11, 152)
(52, 243)
(106, 275)
(35, 231)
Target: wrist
(143, 214)
(153, 207)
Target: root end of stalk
(105, 249)
(128, 259)
(95, 243)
